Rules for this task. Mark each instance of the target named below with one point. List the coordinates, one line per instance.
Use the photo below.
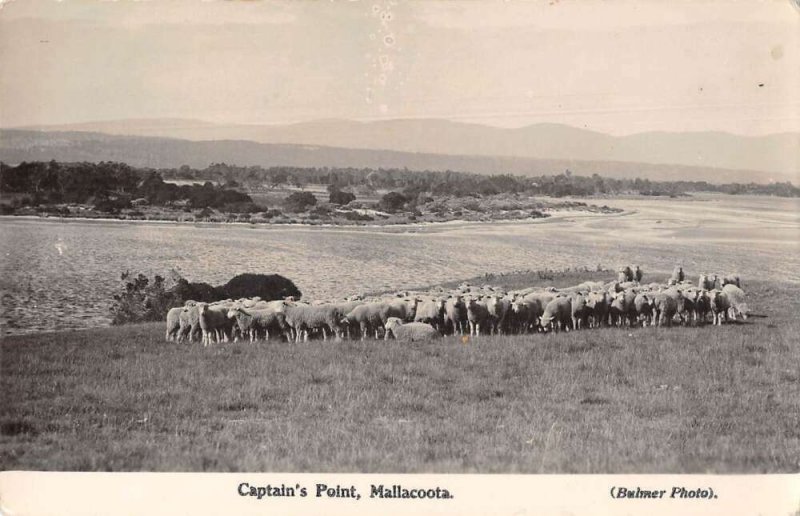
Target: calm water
(61, 274)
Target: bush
(354, 215)
(271, 213)
(299, 201)
(341, 198)
(322, 210)
(392, 201)
(112, 205)
(143, 299)
(241, 207)
(266, 286)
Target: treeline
(111, 186)
(462, 183)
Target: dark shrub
(265, 286)
(339, 197)
(241, 207)
(354, 215)
(271, 213)
(143, 299)
(299, 201)
(392, 201)
(112, 205)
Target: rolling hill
(776, 153)
(158, 152)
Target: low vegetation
(284, 195)
(461, 184)
(616, 400)
(143, 299)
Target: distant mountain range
(416, 145)
(778, 153)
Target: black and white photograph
(400, 237)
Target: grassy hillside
(683, 400)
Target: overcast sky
(616, 66)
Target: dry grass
(684, 400)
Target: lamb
(498, 308)
(619, 310)
(214, 322)
(589, 286)
(345, 308)
(557, 314)
(189, 322)
(707, 282)
(455, 311)
(644, 309)
(688, 311)
(543, 298)
(373, 316)
(410, 332)
(368, 317)
(580, 312)
(477, 315)
(676, 294)
(404, 309)
(731, 279)
(664, 308)
(720, 305)
(431, 311)
(736, 300)
(250, 322)
(173, 324)
(303, 318)
(598, 304)
(521, 316)
(702, 306)
(533, 305)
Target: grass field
(683, 400)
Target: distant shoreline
(555, 216)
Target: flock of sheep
(468, 310)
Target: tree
(393, 201)
(299, 201)
(340, 197)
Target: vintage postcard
(394, 256)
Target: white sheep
(737, 301)
(410, 332)
(250, 322)
(214, 322)
(173, 324)
(304, 318)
